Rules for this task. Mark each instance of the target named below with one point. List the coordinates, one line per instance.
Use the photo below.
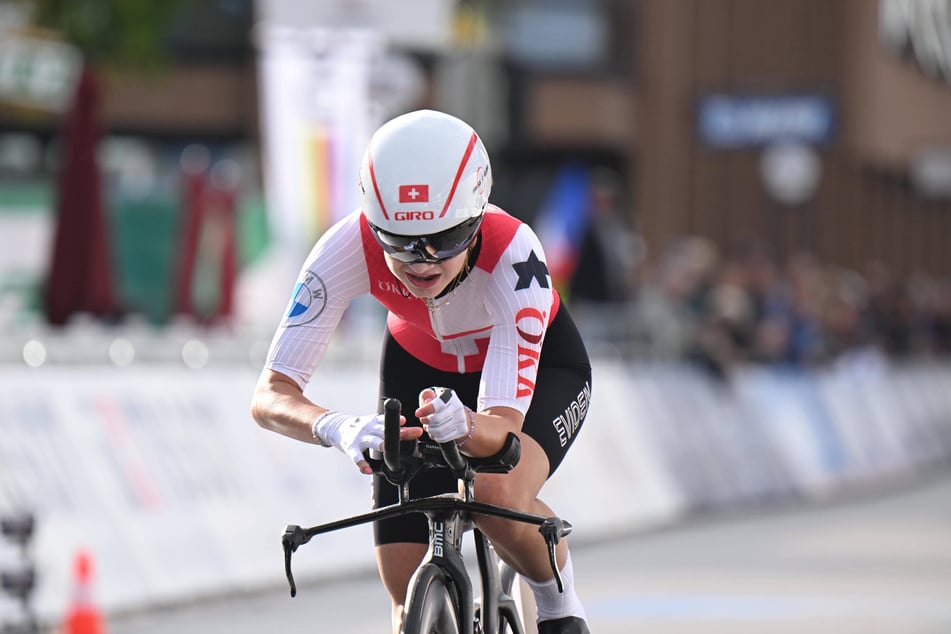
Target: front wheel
(431, 606)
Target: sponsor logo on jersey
(389, 286)
(531, 270)
(307, 301)
(530, 325)
(414, 193)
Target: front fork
(446, 530)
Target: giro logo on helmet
(414, 215)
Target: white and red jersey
(494, 321)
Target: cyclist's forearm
(279, 405)
(492, 427)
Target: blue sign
(736, 121)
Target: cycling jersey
(494, 321)
(553, 420)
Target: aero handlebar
(391, 438)
(399, 466)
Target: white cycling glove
(350, 434)
(450, 420)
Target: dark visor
(433, 248)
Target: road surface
(875, 564)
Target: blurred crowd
(721, 309)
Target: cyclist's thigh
(519, 488)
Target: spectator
(889, 311)
(666, 316)
(720, 313)
(610, 250)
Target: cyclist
(475, 334)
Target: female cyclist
(475, 334)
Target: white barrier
(162, 475)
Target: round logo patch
(307, 302)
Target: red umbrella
(80, 277)
(194, 176)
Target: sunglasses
(432, 248)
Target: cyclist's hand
(351, 435)
(443, 414)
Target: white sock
(552, 604)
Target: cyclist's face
(427, 279)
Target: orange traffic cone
(83, 617)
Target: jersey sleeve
(520, 299)
(333, 275)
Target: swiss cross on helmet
(425, 175)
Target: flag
(414, 193)
(562, 221)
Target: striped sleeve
(519, 296)
(333, 275)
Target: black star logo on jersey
(531, 269)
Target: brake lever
(294, 536)
(553, 529)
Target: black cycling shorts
(559, 405)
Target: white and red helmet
(425, 174)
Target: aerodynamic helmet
(424, 185)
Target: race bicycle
(440, 597)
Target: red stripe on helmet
(376, 189)
(455, 183)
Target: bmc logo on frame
(414, 215)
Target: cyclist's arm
(279, 405)
(489, 428)
(492, 427)
(334, 273)
(520, 298)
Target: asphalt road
(874, 564)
